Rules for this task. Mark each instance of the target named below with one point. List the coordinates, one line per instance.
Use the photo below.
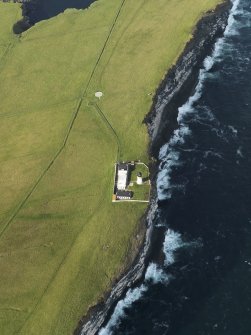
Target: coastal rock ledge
(161, 122)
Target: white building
(123, 172)
(139, 178)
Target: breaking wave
(231, 27)
(173, 241)
(155, 274)
(132, 295)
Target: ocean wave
(231, 28)
(173, 241)
(233, 130)
(239, 152)
(155, 275)
(132, 295)
(169, 154)
(164, 175)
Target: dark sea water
(200, 281)
(38, 10)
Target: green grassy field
(62, 241)
(140, 192)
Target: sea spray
(155, 275)
(231, 29)
(173, 241)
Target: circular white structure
(98, 95)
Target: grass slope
(62, 241)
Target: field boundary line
(104, 46)
(5, 53)
(109, 125)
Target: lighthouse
(139, 178)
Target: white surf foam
(132, 295)
(239, 152)
(169, 153)
(231, 28)
(164, 175)
(154, 274)
(173, 241)
(233, 130)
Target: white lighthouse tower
(139, 178)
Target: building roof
(125, 194)
(122, 179)
(122, 175)
(123, 166)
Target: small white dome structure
(139, 178)
(98, 95)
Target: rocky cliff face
(181, 78)
(161, 121)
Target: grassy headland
(62, 241)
